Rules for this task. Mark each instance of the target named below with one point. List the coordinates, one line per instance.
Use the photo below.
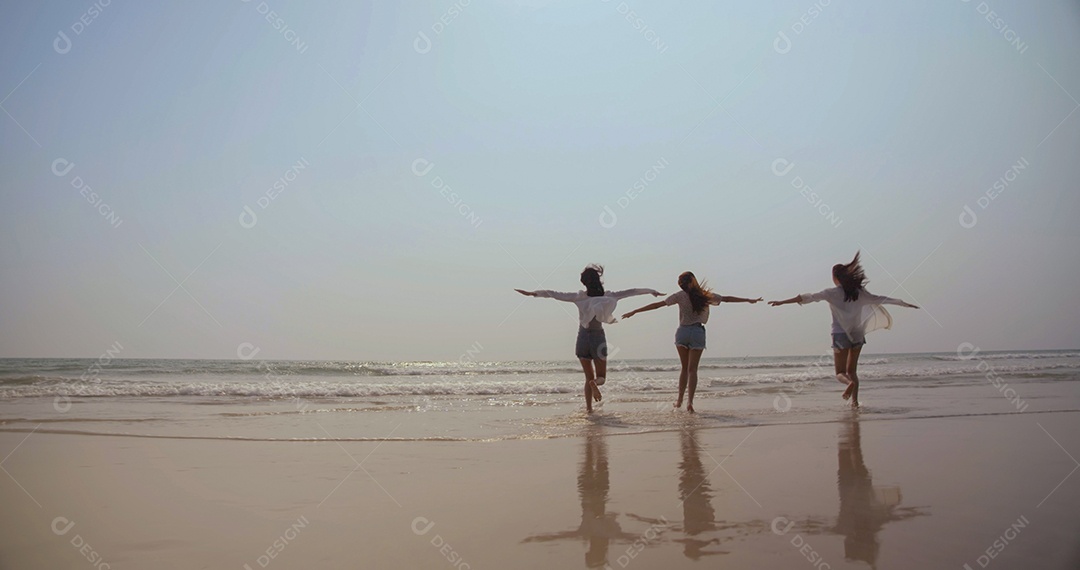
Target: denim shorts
(591, 344)
(691, 336)
(840, 341)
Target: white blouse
(854, 318)
(600, 308)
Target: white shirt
(600, 308)
(687, 316)
(854, 318)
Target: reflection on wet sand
(695, 494)
(864, 508)
(598, 527)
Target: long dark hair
(700, 295)
(591, 278)
(851, 278)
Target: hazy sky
(431, 156)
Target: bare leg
(840, 355)
(587, 366)
(840, 360)
(601, 372)
(852, 372)
(695, 358)
(684, 372)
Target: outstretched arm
(883, 300)
(795, 299)
(648, 307)
(631, 292)
(726, 299)
(570, 297)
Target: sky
(370, 180)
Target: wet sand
(993, 491)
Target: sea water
(301, 400)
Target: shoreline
(665, 498)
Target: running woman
(855, 312)
(693, 301)
(595, 307)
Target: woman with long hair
(595, 307)
(855, 312)
(693, 300)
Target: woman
(855, 312)
(595, 307)
(693, 300)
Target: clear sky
(431, 156)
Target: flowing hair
(851, 278)
(700, 295)
(591, 278)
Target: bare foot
(678, 404)
(855, 404)
(596, 393)
(690, 408)
(847, 393)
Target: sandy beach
(985, 490)
(541, 284)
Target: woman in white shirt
(693, 300)
(855, 312)
(595, 307)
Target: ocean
(303, 400)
